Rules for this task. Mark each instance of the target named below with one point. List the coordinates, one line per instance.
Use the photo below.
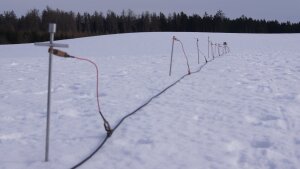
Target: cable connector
(107, 128)
(60, 53)
(174, 38)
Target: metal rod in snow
(173, 39)
(211, 50)
(198, 49)
(51, 44)
(208, 48)
(201, 53)
(49, 96)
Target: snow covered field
(241, 111)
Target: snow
(241, 111)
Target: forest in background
(33, 27)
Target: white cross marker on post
(52, 30)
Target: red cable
(187, 61)
(97, 87)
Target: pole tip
(52, 27)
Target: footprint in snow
(268, 117)
(241, 82)
(272, 120)
(266, 120)
(297, 141)
(261, 142)
(287, 97)
(252, 120)
(264, 89)
(75, 86)
(145, 141)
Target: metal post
(52, 30)
(172, 55)
(212, 50)
(208, 48)
(215, 50)
(51, 44)
(198, 49)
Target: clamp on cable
(174, 38)
(108, 128)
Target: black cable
(91, 155)
(133, 112)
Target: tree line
(33, 26)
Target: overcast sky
(281, 10)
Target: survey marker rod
(198, 50)
(173, 39)
(52, 30)
(208, 48)
(51, 44)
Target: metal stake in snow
(52, 30)
(208, 48)
(173, 39)
(198, 50)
